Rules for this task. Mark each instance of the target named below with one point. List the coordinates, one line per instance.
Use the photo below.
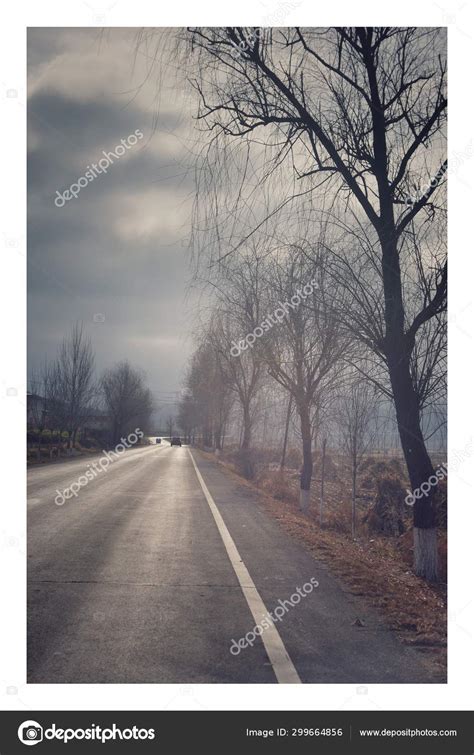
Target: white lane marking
(282, 664)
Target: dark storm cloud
(115, 257)
(83, 130)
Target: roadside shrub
(367, 482)
(293, 458)
(244, 463)
(366, 463)
(278, 485)
(386, 515)
(263, 458)
(371, 468)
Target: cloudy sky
(116, 256)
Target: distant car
(175, 441)
(158, 440)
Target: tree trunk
(420, 469)
(307, 468)
(264, 432)
(247, 429)
(398, 350)
(285, 439)
(323, 469)
(224, 430)
(354, 477)
(425, 551)
(396, 346)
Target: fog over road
(151, 572)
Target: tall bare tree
(303, 349)
(207, 401)
(72, 381)
(188, 415)
(238, 301)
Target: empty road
(161, 561)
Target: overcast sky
(116, 256)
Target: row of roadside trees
(66, 396)
(326, 161)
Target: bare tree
(207, 401)
(72, 381)
(355, 417)
(377, 143)
(39, 405)
(303, 350)
(237, 311)
(127, 400)
(243, 374)
(188, 416)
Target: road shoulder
(275, 545)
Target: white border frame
(14, 692)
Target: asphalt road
(150, 573)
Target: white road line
(282, 664)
